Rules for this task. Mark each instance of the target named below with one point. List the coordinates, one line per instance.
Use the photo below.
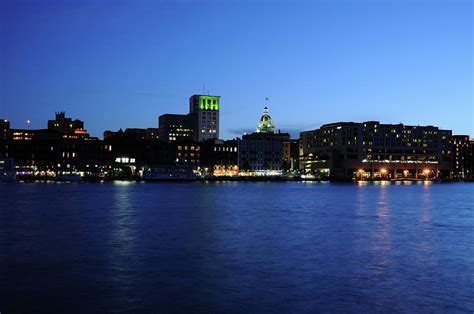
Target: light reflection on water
(245, 247)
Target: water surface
(236, 247)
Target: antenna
(203, 88)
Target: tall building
(264, 151)
(375, 150)
(460, 162)
(204, 111)
(175, 127)
(470, 160)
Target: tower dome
(265, 125)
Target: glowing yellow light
(426, 171)
(361, 170)
(383, 170)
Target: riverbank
(231, 179)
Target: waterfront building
(470, 160)
(61, 127)
(291, 154)
(188, 152)
(374, 150)
(59, 148)
(204, 112)
(219, 157)
(176, 127)
(137, 134)
(263, 152)
(128, 147)
(152, 134)
(54, 153)
(66, 126)
(313, 166)
(159, 153)
(460, 161)
(4, 129)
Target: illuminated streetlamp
(426, 172)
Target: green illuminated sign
(209, 102)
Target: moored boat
(170, 173)
(69, 177)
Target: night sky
(119, 64)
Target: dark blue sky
(118, 64)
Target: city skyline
(316, 62)
(248, 156)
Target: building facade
(204, 112)
(470, 162)
(67, 126)
(4, 129)
(176, 127)
(374, 150)
(263, 152)
(461, 168)
(219, 157)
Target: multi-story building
(204, 112)
(374, 150)
(263, 152)
(460, 161)
(219, 157)
(152, 134)
(160, 153)
(470, 160)
(133, 134)
(64, 146)
(67, 126)
(291, 153)
(176, 127)
(4, 129)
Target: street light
(426, 172)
